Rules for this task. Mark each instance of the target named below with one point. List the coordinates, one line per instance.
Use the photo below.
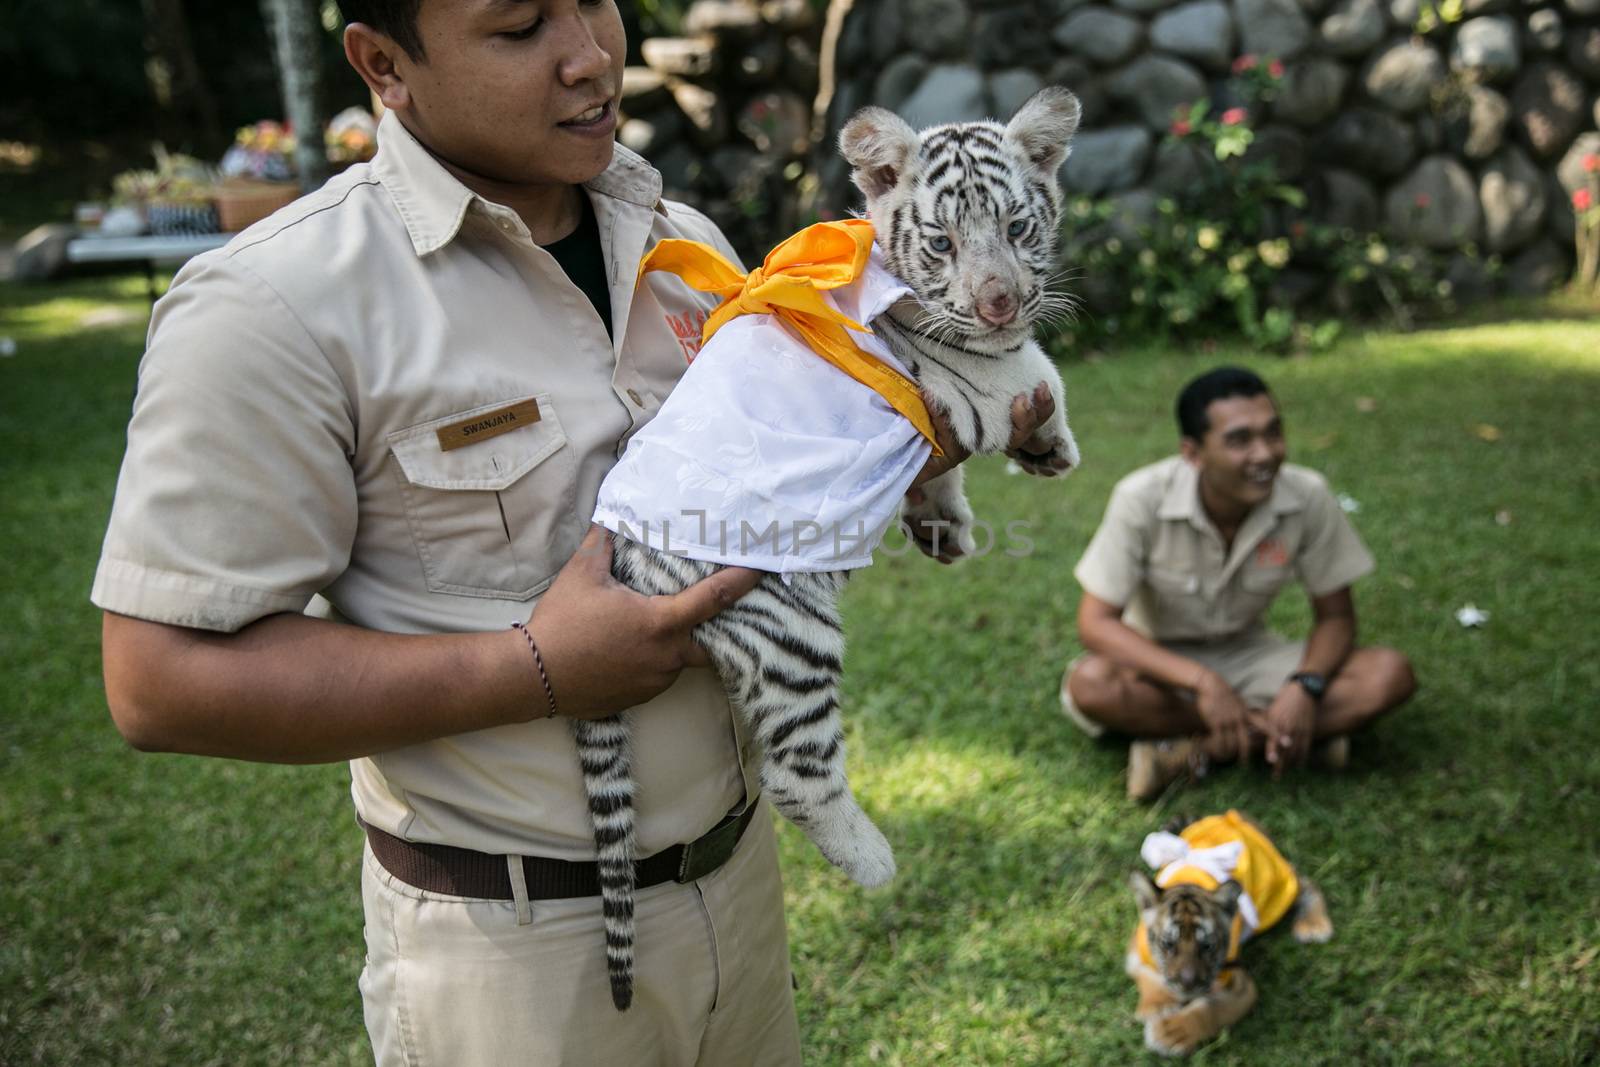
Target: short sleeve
(1331, 555)
(1113, 565)
(236, 498)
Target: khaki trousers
(458, 982)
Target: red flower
(1297, 230)
(1234, 116)
(1591, 163)
(1423, 200)
(1582, 200)
(1181, 127)
(1244, 63)
(1275, 68)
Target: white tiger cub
(966, 215)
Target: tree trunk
(296, 28)
(175, 73)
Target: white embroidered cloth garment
(765, 455)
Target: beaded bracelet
(538, 661)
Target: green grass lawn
(171, 910)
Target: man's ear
(1189, 449)
(374, 56)
(1042, 128)
(1145, 891)
(879, 146)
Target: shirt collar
(433, 203)
(1182, 498)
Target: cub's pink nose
(998, 310)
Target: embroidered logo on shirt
(688, 328)
(1271, 553)
(489, 424)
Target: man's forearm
(291, 689)
(1329, 644)
(1121, 643)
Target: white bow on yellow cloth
(1168, 854)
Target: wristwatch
(1313, 683)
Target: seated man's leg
(1371, 682)
(1099, 695)
(1113, 697)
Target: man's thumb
(705, 598)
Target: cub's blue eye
(940, 243)
(1017, 228)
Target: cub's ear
(879, 145)
(1145, 890)
(1227, 895)
(1042, 128)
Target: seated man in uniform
(1189, 556)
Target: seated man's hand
(607, 648)
(1226, 717)
(1291, 724)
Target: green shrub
(1238, 252)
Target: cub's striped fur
(967, 216)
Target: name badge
(487, 425)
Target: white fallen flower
(8, 347)
(1012, 467)
(1471, 615)
(1349, 504)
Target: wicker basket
(242, 202)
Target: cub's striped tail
(607, 759)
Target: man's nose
(585, 60)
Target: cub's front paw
(1172, 1034)
(940, 527)
(1048, 454)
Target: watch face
(1314, 684)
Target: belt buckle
(710, 850)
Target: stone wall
(725, 112)
(1464, 132)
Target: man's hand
(1291, 723)
(607, 648)
(1226, 716)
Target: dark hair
(396, 19)
(1219, 384)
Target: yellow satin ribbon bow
(827, 255)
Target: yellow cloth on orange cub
(826, 255)
(1268, 879)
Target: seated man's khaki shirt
(387, 406)
(1158, 555)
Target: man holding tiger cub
(1191, 553)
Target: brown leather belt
(462, 872)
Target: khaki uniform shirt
(1158, 554)
(285, 455)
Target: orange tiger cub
(1219, 882)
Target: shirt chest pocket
(495, 514)
(1180, 606)
(1263, 583)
